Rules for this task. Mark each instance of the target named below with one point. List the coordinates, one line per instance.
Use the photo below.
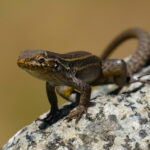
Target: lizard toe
(77, 113)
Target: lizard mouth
(30, 65)
(35, 70)
(25, 65)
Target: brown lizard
(80, 70)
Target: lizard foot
(50, 117)
(77, 113)
(48, 120)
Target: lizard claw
(77, 113)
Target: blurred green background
(60, 26)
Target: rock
(115, 122)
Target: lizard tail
(142, 54)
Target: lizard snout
(19, 61)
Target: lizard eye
(41, 60)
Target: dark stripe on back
(80, 63)
(72, 55)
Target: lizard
(80, 70)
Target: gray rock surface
(116, 122)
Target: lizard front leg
(85, 93)
(50, 90)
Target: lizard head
(39, 63)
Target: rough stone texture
(116, 122)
